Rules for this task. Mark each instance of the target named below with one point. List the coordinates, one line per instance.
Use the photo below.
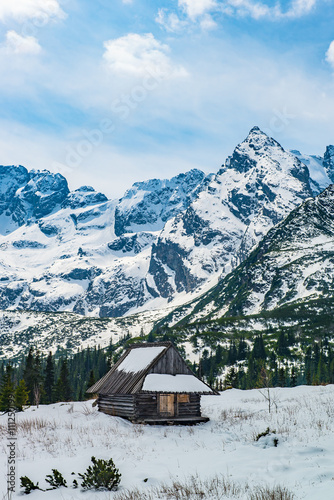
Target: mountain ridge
(160, 244)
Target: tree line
(241, 364)
(37, 379)
(238, 363)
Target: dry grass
(276, 493)
(217, 488)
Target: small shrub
(55, 480)
(275, 493)
(266, 433)
(28, 485)
(101, 475)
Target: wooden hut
(152, 384)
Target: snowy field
(65, 436)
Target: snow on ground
(65, 436)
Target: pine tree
(37, 379)
(251, 372)
(282, 348)
(63, 387)
(281, 378)
(321, 369)
(49, 380)
(232, 354)
(28, 374)
(151, 337)
(91, 380)
(259, 351)
(293, 379)
(7, 398)
(219, 354)
(242, 349)
(21, 395)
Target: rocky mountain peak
(83, 197)
(147, 205)
(329, 162)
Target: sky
(109, 93)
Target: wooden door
(166, 405)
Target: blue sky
(109, 93)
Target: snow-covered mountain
(289, 276)
(163, 240)
(255, 189)
(59, 250)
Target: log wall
(190, 409)
(117, 405)
(145, 406)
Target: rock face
(292, 265)
(28, 195)
(256, 188)
(319, 178)
(78, 251)
(152, 203)
(329, 162)
(60, 251)
(83, 197)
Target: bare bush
(216, 488)
(268, 493)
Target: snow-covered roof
(139, 359)
(132, 373)
(156, 382)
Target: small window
(183, 398)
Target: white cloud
(170, 21)
(196, 8)
(330, 54)
(248, 7)
(207, 22)
(258, 10)
(29, 9)
(19, 44)
(301, 7)
(137, 55)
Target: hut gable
(171, 362)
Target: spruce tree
(37, 378)
(232, 354)
(219, 354)
(259, 351)
(21, 395)
(281, 378)
(282, 348)
(91, 380)
(63, 388)
(242, 349)
(28, 374)
(7, 397)
(293, 379)
(49, 380)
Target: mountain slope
(255, 189)
(163, 242)
(292, 269)
(59, 250)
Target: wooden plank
(166, 404)
(183, 398)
